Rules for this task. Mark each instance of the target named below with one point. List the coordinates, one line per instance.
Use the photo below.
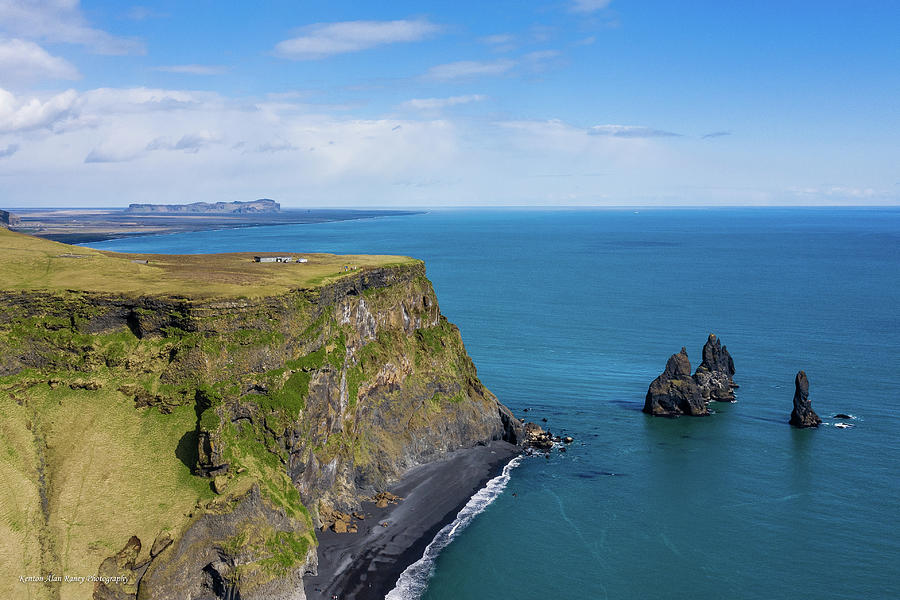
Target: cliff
(8, 219)
(222, 422)
(263, 205)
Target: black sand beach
(366, 565)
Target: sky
(429, 104)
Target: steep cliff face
(303, 401)
(8, 219)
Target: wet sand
(367, 564)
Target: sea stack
(675, 392)
(803, 414)
(715, 374)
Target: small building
(273, 259)
(302, 260)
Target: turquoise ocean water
(572, 313)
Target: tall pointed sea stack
(675, 392)
(803, 414)
(714, 375)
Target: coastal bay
(83, 225)
(572, 313)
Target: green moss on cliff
(251, 391)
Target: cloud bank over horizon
(430, 110)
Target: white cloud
(499, 39)
(106, 101)
(277, 145)
(326, 39)
(142, 13)
(23, 61)
(541, 55)
(111, 153)
(211, 148)
(588, 6)
(630, 131)
(25, 114)
(9, 150)
(60, 21)
(840, 192)
(191, 143)
(470, 68)
(439, 103)
(193, 69)
(500, 42)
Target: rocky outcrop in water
(675, 392)
(715, 373)
(803, 414)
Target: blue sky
(568, 102)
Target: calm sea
(572, 313)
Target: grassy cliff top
(30, 263)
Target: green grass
(111, 472)
(30, 263)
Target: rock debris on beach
(341, 522)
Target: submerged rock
(803, 414)
(675, 392)
(714, 375)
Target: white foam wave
(414, 579)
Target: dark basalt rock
(803, 414)
(675, 392)
(714, 375)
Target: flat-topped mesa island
(180, 424)
(263, 205)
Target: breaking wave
(414, 579)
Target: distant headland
(263, 205)
(85, 225)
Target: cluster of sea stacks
(676, 392)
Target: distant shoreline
(83, 226)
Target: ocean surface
(572, 313)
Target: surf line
(414, 579)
